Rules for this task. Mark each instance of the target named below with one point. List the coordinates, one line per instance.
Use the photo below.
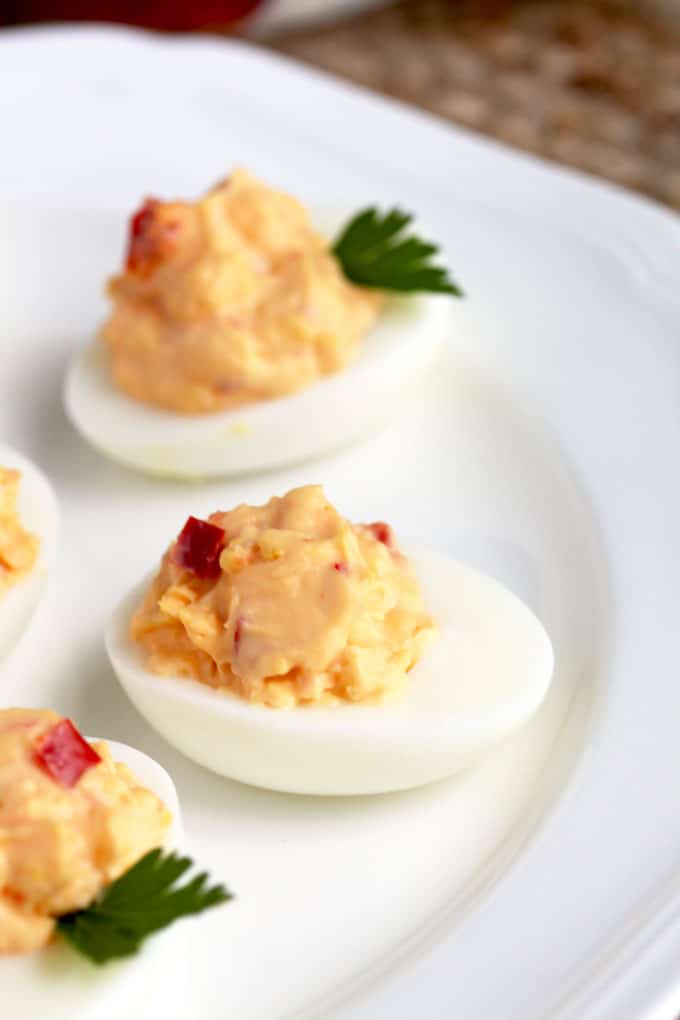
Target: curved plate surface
(543, 450)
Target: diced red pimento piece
(341, 568)
(198, 547)
(154, 234)
(141, 253)
(383, 533)
(238, 634)
(65, 754)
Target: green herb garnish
(142, 901)
(375, 251)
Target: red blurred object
(198, 548)
(65, 754)
(170, 15)
(383, 533)
(139, 254)
(153, 236)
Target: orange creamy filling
(59, 847)
(18, 548)
(306, 608)
(230, 299)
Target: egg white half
(39, 514)
(57, 983)
(329, 414)
(485, 674)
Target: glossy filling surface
(230, 299)
(306, 608)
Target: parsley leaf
(374, 250)
(142, 901)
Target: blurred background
(593, 84)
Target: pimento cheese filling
(230, 299)
(285, 604)
(18, 547)
(62, 842)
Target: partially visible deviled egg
(240, 340)
(285, 647)
(28, 537)
(82, 823)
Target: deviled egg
(285, 647)
(79, 819)
(240, 340)
(28, 537)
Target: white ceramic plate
(544, 450)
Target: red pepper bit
(65, 754)
(198, 548)
(383, 533)
(141, 249)
(153, 233)
(238, 634)
(341, 568)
